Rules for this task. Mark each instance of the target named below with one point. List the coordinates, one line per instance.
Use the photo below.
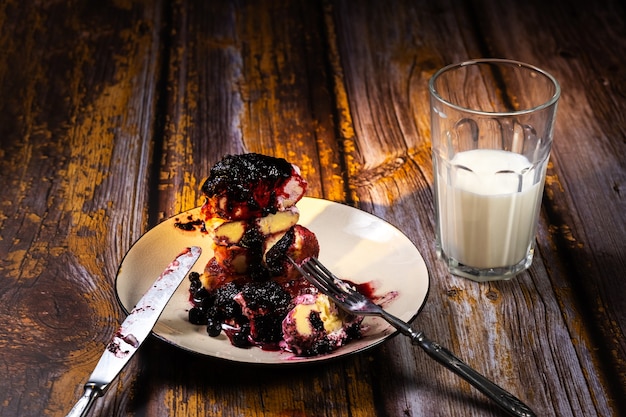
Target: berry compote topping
(250, 185)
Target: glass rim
(551, 101)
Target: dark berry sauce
(250, 184)
(190, 224)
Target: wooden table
(112, 114)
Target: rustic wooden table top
(112, 113)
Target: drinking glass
(492, 123)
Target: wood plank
(77, 82)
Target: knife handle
(83, 405)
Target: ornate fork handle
(442, 355)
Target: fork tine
(333, 281)
(322, 279)
(343, 294)
(312, 272)
(329, 275)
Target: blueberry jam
(190, 224)
(250, 315)
(236, 178)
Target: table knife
(134, 330)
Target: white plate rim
(345, 234)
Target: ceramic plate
(355, 245)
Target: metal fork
(356, 303)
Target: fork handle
(504, 399)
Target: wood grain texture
(76, 124)
(112, 115)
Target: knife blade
(135, 329)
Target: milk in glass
(488, 202)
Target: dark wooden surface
(112, 113)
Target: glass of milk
(492, 123)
